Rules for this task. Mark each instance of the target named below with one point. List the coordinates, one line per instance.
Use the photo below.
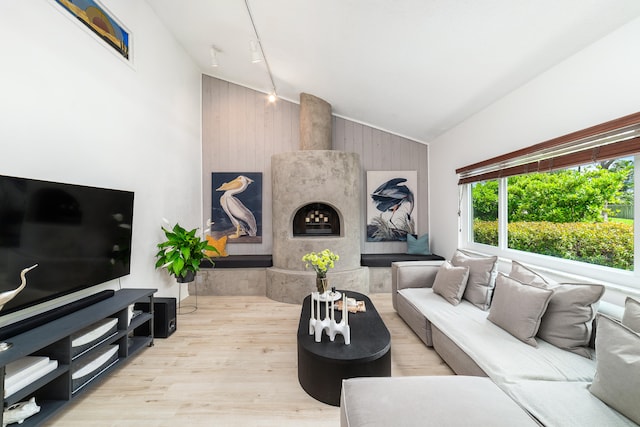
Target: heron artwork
(395, 203)
(240, 216)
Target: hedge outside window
(583, 213)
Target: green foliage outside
(485, 200)
(622, 220)
(606, 243)
(563, 214)
(566, 196)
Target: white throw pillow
(617, 379)
(482, 277)
(518, 308)
(526, 275)
(568, 321)
(450, 282)
(631, 317)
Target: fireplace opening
(316, 219)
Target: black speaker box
(164, 317)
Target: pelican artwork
(242, 218)
(7, 296)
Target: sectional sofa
(523, 348)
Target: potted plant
(182, 253)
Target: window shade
(610, 140)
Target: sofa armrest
(412, 274)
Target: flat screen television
(79, 236)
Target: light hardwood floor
(233, 362)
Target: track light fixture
(213, 57)
(257, 53)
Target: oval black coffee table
(323, 365)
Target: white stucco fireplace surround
(315, 174)
(304, 177)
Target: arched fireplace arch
(316, 219)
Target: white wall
(596, 85)
(72, 111)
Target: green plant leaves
(603, 243)
(182, 251)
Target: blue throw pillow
(418, 245)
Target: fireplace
(303, 182)
(316, 219)
(316, 205)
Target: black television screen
(79, 236)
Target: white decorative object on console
(317, 325)
(7, 296)
(20, 411)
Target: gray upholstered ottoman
(450, 401)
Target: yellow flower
(321, 261)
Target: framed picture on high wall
(236, 206)
(92, 15)
(391, 205)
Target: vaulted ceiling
(412, 67)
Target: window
(484, 196)
(583, 214)
(569, 206)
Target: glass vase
(322, 283)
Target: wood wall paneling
(241, 130)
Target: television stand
(64, 384)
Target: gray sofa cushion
(631, 316)
(482, 277)
(617, 379)
(565, 404)
(415, 319)
(518, 308)
(452, 401)
(526, 275)
(568, 320)
(457, 359)
(469, 329)
(450, 282)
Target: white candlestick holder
(328, 324)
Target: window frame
(607, 275)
